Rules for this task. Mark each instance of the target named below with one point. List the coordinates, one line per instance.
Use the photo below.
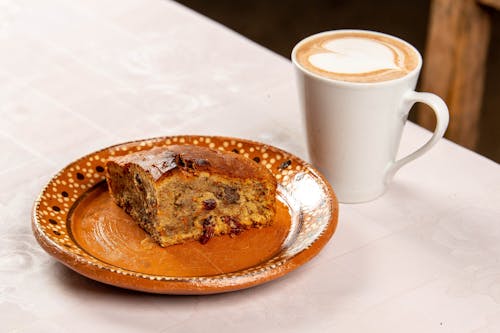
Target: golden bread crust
(160, 161)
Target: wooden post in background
(454, 65)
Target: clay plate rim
(71, 256)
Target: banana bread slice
(185, 192)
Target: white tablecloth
(76, 76)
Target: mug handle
(442, 118)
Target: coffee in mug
(357, 57)
(356, 89)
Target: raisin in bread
(184, 192)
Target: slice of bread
(185, 192)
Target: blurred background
(279, 25)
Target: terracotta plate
(75, 221)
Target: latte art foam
(357, 57)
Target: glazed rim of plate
(315, 219)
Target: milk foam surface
(354, 55)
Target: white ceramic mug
(354, 129)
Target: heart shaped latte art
(353, 55)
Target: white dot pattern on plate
(53, 206)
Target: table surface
(76, 76)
